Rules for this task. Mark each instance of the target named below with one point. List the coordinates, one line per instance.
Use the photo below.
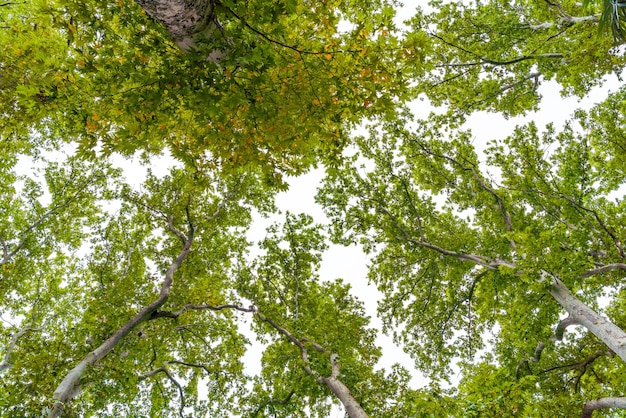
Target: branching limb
(9, 254)
(353, 408)
(277, 42)
(193, 307)
(569, 18)
(70, 385)
(532, 76)
(526, 362)
(582, 365)
(603, 403)
(165, 370)
(477, 259)
(562, 326)
(283, 401)
(557, 336)
(497, 63)
(481, 182)
(609, 333)
(6, 362)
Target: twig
(274, 41)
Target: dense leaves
(136, 292)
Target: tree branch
(504, 213)
(70, 385)
(569, 18)
(284, 45)
(603, 269)
(562, 326)
(274, 400)
(613, 336)
(164, 369)
(6, 362)
(497, 63)
(603, 403)
(8, 255)
(353, 408)
(190, 306)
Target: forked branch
(70, 386)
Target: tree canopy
(499, 260)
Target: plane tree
(488, 257)
(122, 301)
(319, 348)
(494, 55)
(272, 84)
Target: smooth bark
(341, 391)
(69, 388)
(609, 333)
(601, 404)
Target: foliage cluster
(127, 297)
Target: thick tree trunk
(613, 336)
(341, 391)
(185, 20)
(601, 404)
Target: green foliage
(157, 272)
(287, 86)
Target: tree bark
(341, 391)
(601, 404)
(69, 388)
(609, 333)
(185, 20)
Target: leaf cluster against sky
(128, 301)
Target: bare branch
(603, 403)
(616, 241)
(191, 306)
(569, 18)
(582, 365)
(497, 63)
(194, 365)
(284, 45)
(562, 326)
(477, 259)
(609, 333)
(505, 215)
(532, 76)
(170, 225)
(220, 207)
(274, 400)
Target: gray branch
(6, 362)
(164, 370)
(609, 333)
(69, 387)
(603, 403)
(603, 269)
